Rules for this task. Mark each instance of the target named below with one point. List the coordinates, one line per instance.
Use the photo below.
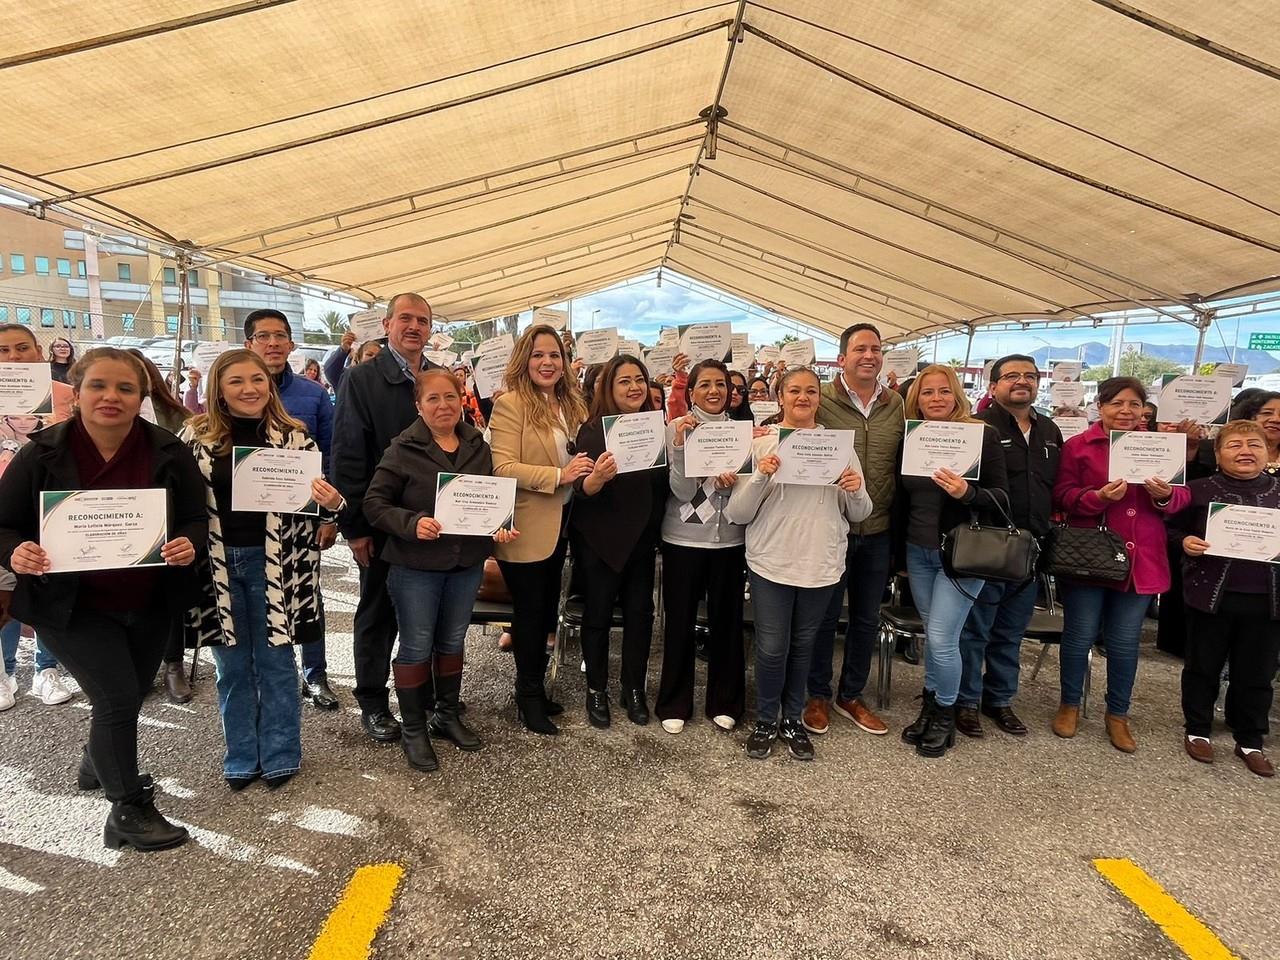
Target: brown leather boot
(1118, 731)
(175, 683)
(1066, 721)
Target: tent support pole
(968, 349)
(183, 260)
(1204, 320)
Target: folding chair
(896, 620)
(1046, 628)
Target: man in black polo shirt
(375, 403)
(1032, 445)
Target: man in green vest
(856, 400)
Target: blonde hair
(961, 413)
(572, 406)
(213, 429)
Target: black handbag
(1087, 553)
(1006, 554)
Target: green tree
(1135, 364)
(1206, 369)
(335, 325)
(786, 338)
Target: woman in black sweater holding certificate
(613, 529)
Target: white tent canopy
(922, 165)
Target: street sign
(1264, 341)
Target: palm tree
(335, 325)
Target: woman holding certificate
(531, 427)
(106, 623)
(262, 583)
(434, 573)
(927, 507)
(703, 554)
(1136, 514)
(614, 527)
(797, 538)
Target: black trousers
(1243, 635)
(688, 574)
(374, 635)
(632, 589)
(535, 600)
(114, 657)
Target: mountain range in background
(1096, 354)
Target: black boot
(531, 710)
(140, 825)
(913, 733)
(445, 722)
(87, 777)
(637, 709)
(940, 734)
(411, 691)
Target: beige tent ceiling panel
(923, 164)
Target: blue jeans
(314, 665)
(433, 610)
(944, 609)
(787, 621)
(10, 634)
(866, 571)
(257, 683)
(1118, 615)
(993, 633)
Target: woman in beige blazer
(531, 427)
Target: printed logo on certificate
(103, 529)
(813, 457)
(26, 389)
(1136, 456)
(638, 441)
(720, 446)
(1199, 399)
(471, 505)
(1243, 533)
(932, 445)
(269, 480)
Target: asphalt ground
(634, 843)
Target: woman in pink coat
(1134, 513)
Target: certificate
(669, 337)
(471, 505)
(269, 480)
(103, 529)
(1137, 455)
(706, 341)
(762, 410)
(1066, 393)
(768, 355)
(489, 364)
(25, 389)
(597, 346)
(901, 363)
(1200, 399)
(638, 441)
(205, 353)
(659, 359)
(932, 445)
(631, 348)
(1236, 371)
(440, 340)
(1243, 533)
(1066, 371)
(555, 319)
(740, 352)
(798, 353)
(813, 457)
(441, 358)
(721, 446)
(367, 325)
(298, 363)
(1071, 426)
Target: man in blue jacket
(268, 334)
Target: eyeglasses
(266, 337)
(1018, 377)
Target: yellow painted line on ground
(1195, 939)
(349, 931)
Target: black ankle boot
(637, 709)
(531, 710)
(598, 709)
(913, 733)
(445, 722)
(87, 777)
(411, 691)
(940, 734)
(140, 825)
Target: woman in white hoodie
(796, 544)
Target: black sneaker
(793, 735)
(760, 743)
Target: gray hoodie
(703, 525)
(796, 534)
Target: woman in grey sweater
(796, 545)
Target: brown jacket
(531, 455)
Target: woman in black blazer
(614, 528)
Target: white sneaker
(48, 686)
(724, 721)
(8, 687)
(673, 726)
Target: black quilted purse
(1086, 553)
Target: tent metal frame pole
(1204, 320)
(183, 261)
(968, 349)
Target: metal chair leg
(1088, 682)
(884, 669)
(1044, 652)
